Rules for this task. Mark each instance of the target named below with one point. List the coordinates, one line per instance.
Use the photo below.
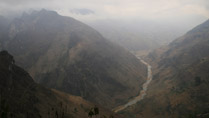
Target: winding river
(142, 93)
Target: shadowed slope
(21, 97)
(62, 53)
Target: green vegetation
(198, 81)
(4, 108)
(59, 111)
(93, 111)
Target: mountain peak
(45, 12)
(63, 53)
(41, 13)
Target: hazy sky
(159, 10)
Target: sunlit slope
(180, 86)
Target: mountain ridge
(62, 53)
(21, 97)
(180, 78)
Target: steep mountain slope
(180, 86)
(62, 53)
(21, 97)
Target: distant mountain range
(62, 53)
(180, 86)
(138, 35)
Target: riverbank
(142, 93)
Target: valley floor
(142, 93)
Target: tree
(96, 110)
(75, 110)
(91, 113)
(111, 116)
(56, 114)
(198, 81)
(4, 109)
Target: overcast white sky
(159, 10)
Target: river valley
(142, 93)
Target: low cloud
(82, 11)
(154, 10)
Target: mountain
(21, 97)
(180, 86)
(62, 53)
(138, 35)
